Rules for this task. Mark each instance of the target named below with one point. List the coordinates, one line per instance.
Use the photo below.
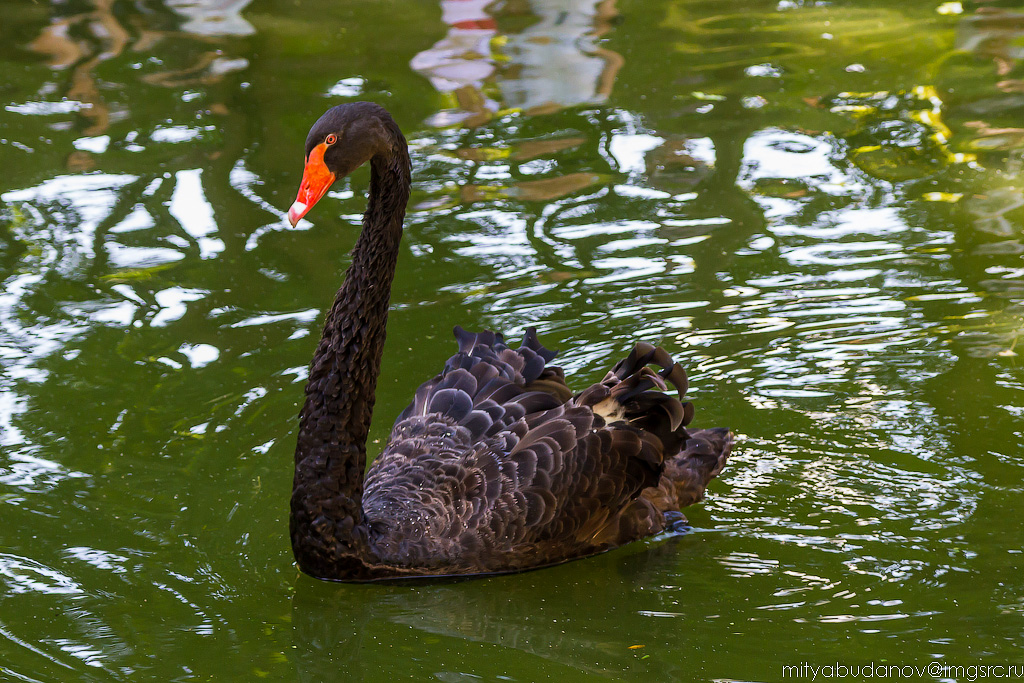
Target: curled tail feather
(633, 397)
(634, 393)
(687, 475)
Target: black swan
(495, 466)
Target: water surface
(817, 207)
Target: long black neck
(329, 537)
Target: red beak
(316, 180)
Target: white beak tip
(296, 212)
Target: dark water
(818, 206)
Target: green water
(818, 207)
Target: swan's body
(495, 466)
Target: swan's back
(496, 466)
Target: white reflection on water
(880, 221)
(25, 472)
(247, 184)
(495, 233)
(138, 219)
(124, 256)
(47, 108)
(629, 150)
(141, 257)
(90, 199)
(625, 268)
(96, 145)
(173, 302)
(177, 134)
(841, 254)
(24, 575)
(776, 153)
(199, 355)
(305, 317)
(213, 17)
(747, 564)
(61, 216)
(191, 208)
(100, 559)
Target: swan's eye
(331, 139)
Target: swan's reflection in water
(581, 615)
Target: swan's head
(342, 140)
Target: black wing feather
(495, 466)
